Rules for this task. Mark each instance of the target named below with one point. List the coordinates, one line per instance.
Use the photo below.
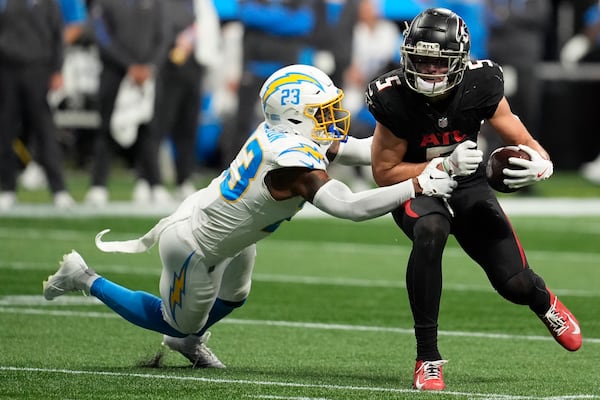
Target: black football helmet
(435, 51)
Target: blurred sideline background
(566, 100)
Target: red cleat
(562, 324)
(428, 375)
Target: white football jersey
(236, 209)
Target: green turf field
(327, 318)
(562, 184)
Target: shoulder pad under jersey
(483, 84)
(382, 85)
(298, 151)
(385, 97)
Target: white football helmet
(303, 99)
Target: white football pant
(189, 287)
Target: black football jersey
(433, 129)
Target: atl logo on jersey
(440, 144)
(442, 138)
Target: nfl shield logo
(443, 122)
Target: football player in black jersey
(433, 106)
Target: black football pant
(104, 145)
(177, 116)
(485, 234)
(110, 80)
(23, 103)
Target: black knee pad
(233, 304)
(525, 288)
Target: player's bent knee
(433, 228)
(220, 309)
(235, 292)
(522, 287)
(189, 326)
(234, 304)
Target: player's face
(332, 120)
(433, 66)
(323, 115)
(326, 116)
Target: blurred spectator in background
(275, 35)
(584, 47)
(332, 39)
(473, 13)
(31, 51)
(74, 13)
(517, 31)
(75, 105)
(375, 45)
(131, 39)
(193, 35)
(404, 11)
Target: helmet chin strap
(431, 87)
(333, 130)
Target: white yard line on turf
(293, 324)
(374, 389)
(268, 396)
(487, 397)
(578, 258)
(512, 206)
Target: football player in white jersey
(208, 245)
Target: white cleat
(97, 196)
(142, 193)
(63, 200)
(7, 200)
(161, 196)
(591, 171)
(73, 275)
(33, 177)
(194, 349)
(185, 190)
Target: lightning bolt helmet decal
(302, 100)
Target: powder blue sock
(219, 310)
(140, 308)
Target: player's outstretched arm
(337, 199)
(352, 152)
(387, 153)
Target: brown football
(497, 162)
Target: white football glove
(464, 160)
(534, 170)
(435, 182)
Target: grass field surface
(327, 319)
(568, 184)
